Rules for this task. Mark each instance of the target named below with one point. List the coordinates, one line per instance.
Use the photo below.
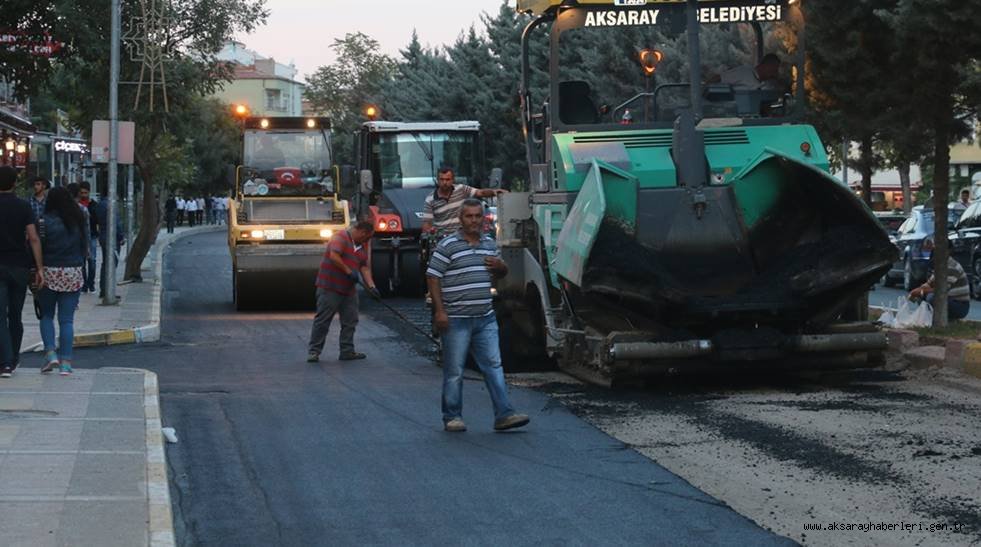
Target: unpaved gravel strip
(893, 448)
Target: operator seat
(575, 104)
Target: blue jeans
(13, 291)
(478, 336)
(65, 302)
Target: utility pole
(109, 254)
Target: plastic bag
(910, 314)
(888, 319)
(923, 316)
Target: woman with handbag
(65, 246)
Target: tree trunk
(865, 166)
(904, 183)
(148, 229)
(941, 191)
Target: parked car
(968, 228)
(891, 221)
(913, 267)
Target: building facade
(268, 88)
(16, 129)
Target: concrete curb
(972, 359)
(161, 520)
(147, 333)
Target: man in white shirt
(192, 211)
(181, 210)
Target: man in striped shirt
(460, 276)
(441, 212)
(958, 287)
(344, 263)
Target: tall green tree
(939, 49)
(342, 89)
(850, 50)
(79, 81)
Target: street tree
(850, 50)
(78, 80)
(938, 47)
(342, 89)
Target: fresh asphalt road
(887, 297)
(275, 451)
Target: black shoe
(351, 356)
(6, 372)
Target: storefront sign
(38, 45)
(70, 147)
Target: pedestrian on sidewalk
(102, 221)
(345, 262)
(460, 276)
(65, 244)
(199, 209)
(17, 225)
(191, 206)
(85, 199)
(170, 212)
(219, 210)
(39, 192)
(181, 210)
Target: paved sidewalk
(82, 460)
(135, 319)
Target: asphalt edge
(146, 333)
(161, 519)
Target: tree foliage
(342, 89)
(179, 147)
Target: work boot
(511, 422)
(351, 356)
(455, 425)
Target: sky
(301, 31)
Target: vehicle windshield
(602, 78)
(287, 163)
(411, 160)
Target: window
(274, 100)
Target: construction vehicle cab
(672, 222)
(285, 208)
(398, 162)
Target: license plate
(275, 235)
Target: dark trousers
(170, 221)
(180, 217)
(103, 274)
(13, 291)
(90, 264)
(328, 304)
(191, 217)
(956, 309)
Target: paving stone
(109, 475)
(902, 340)
(35, 475)
(97, 435)
(97, 523)
(29, 524)
(111, 406)
(49, 435)
(926, 356)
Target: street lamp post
(109, 254)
